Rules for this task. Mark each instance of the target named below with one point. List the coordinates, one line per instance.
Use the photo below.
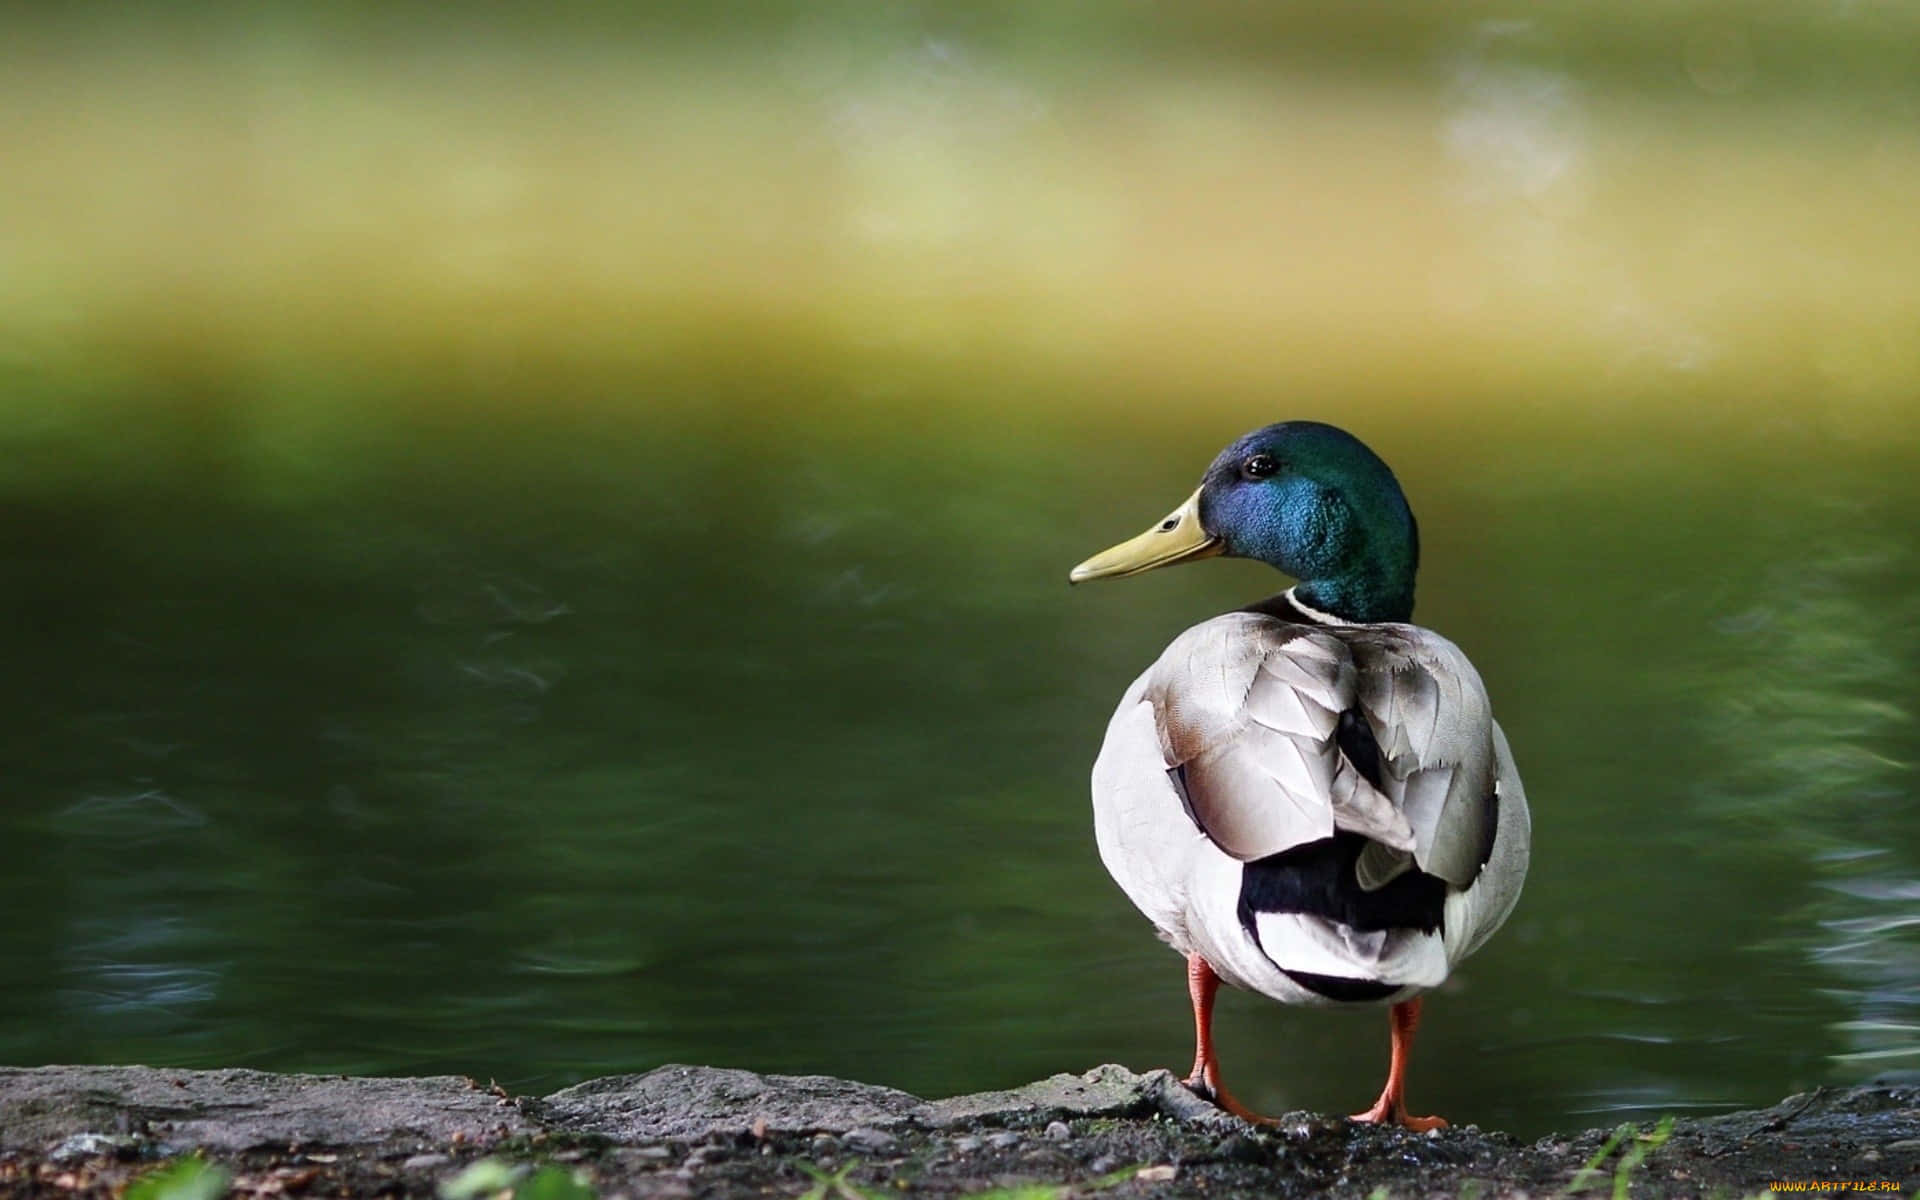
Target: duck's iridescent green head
(1306, 498)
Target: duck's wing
(1276, 735)
(1433, 727)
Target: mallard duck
(1309, 797)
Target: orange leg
(1392, 1104)
(1202, 983)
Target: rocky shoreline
(703, 1131)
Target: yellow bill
(1178, 538)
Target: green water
(542, 747)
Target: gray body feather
(1246, 706)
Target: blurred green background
(535, 537)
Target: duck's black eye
(1259, 466)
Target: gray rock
(1108, 1091)
(1006, 1140)
(1059, 1131)
(688, 1103)
(425, 1162)
(1102, 1092)
(1863, 1114)
(243, 1110)
(966, 1145)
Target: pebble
(1059, 1132)
(825, 1143)
(425, 1162)
(1903, 1144)
(1003, 1141)
(653, 1152)
(1106, 1164)
(868, 1140)
(83, 1145)
(965, 1145)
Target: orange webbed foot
(1383, 1113)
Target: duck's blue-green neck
(1363, 598)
